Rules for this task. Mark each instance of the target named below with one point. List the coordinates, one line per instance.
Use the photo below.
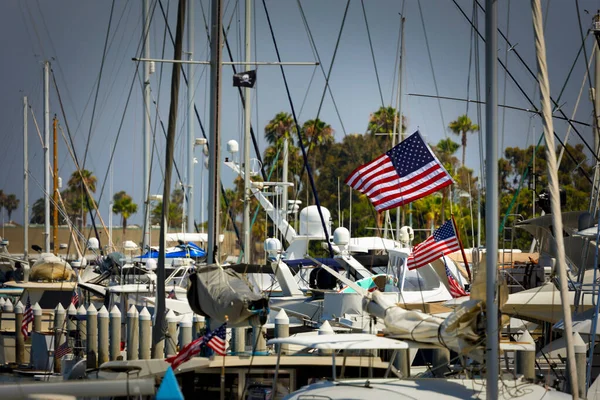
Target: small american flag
(215, 340)
(75, 297)
(27, 317)
(172, 294)
(402, 175)
(63, 350)
(443, 241)
(456, 290)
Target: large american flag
(27, 318)
(402, 175)
(215, 340)
(443, 241)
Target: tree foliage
(123, 204)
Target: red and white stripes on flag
(75, 297)
(27, 318)
(215, 340)
(443, 241)
(456, 290)
(63, 350)
(401, 175)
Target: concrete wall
(14, 234)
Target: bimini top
(343, 341)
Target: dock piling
(19, 338)
(132, 333)
(145, 321)
(103, 321)
(59, 322)
(92, 337)
(115, 333)
(171, 339)
(37, 318)
(282, 330)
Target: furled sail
(215, 292)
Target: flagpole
(462, 249)
(222, 397)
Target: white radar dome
(310, 222)
(341, 236)
(272, 246)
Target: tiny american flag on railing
(27, 318)
(63, 350)
(401, 175)
(456, 290)
(75, 297)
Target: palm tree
(318, 133)
(2, 203)
(77, 186)
(461, 127)
(175, 215)
(280, 127)
(382, 121)
(11, 203)
(123, 204)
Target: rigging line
(362, 3)
(581, 48)
(531, 101)
(243, 101)
(87, 189)
(499, 105)
(110, 18)
(444, 127)
(37, 34)
(316, 120)
(80, 121)
(327, 78)
(62, 109)
(397, 59)
(585, 56)
(469, 71)
(559, 159)
(310, 82)
(304, 153)
(313, 46)
(229, 210)
(556, 105)
(154, 129)
(505, 85)
(118, 134)
(31, 40)
(482, 183)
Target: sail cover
(215, 292)
(463, 331)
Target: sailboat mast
(595, 198)
(491, 209)
(159, 311)
(247, 116)
(25, 183)
(146, 126)
(55, 189)
(214, 190)
(46, 158)
(398, 123)
(190, 119)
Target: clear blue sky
(71, 34)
